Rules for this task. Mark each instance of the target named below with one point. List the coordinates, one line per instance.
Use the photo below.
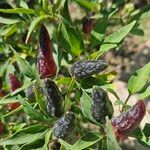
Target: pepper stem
(126, 101)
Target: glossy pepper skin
(54, 98)
(64, 126)
(87, 68)
(14, 84)
(45, 62)
(101, 105)
(1, 127)
(87, 25)
(127, 122)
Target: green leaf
(98, 33)
(138, 32)
(13, 111)
(24, 65)
(65, 13)
(137, 133)
(23, 4)
(143, 136)
(47, 139)
(114, 93)
(103, 49)
(89, 82)
(33, 129)
(138, 80)
(19, 127)
(145, 94)
(86, 4)
(86, 141)
(6, 100)
(112, 144)
(145, 141)
(27, 138)
(18, 11)
(86, 105)
(64, 80)
(65, 145)
(145, 15)
(45, 5)
(34, 23)
(8, 20)
(41, 100)
(33, 113)
(120, 34)
(73, 42)
(36, 74)
(146, 130)
(107, 47)
(36, 145)
(10, 30)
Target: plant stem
(126, 101)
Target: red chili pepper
(14, 84)
(1, 127)
(45, 63)
(12, 106)
(88, 24)
(127, 122)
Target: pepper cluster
(47, 68)
(124, 124)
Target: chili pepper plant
(55, 83)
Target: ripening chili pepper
(14, 84)
(12, 106)
(87, 25)
(54, 98)
(1, 127)
(64, 126)
(101, 105)
(127, 122)
(45, 62)
(87, 68)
